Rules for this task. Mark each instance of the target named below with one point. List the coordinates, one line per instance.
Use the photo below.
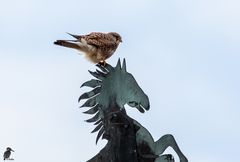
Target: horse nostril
(133, 103)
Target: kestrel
(97, 46)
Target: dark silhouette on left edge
(7, 153)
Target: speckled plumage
(97, 46)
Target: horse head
(113, 87)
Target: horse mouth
(139, 106)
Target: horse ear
(118, 67)
(124, 68)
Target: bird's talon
(102, 63)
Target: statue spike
(96, 75)
(101, 73)
(93, 119)
(90, 94)
(89, 103)
(118, 67)
(100, 133)
(92, 83)
(93, 110)
(97, 128)
(99, 121)
(124, 67)
(102, 68)
(108, 67)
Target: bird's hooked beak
(119, 41)
(12, 150)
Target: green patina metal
(114, 87)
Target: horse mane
(91, 96)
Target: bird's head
(9, 149)
(116, 36)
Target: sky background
(184, 54)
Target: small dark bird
(96, 46)
(7, 153)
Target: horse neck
(110, 109)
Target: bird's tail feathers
(66, 43)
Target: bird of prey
(7, 153)
(97, 46)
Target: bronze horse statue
(128, 140)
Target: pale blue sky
(184, 54)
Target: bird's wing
(6, 154)
(99, 39)
(76, 36)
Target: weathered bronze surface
(128, 140)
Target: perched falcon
(97, 46)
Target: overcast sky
(184, 54)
